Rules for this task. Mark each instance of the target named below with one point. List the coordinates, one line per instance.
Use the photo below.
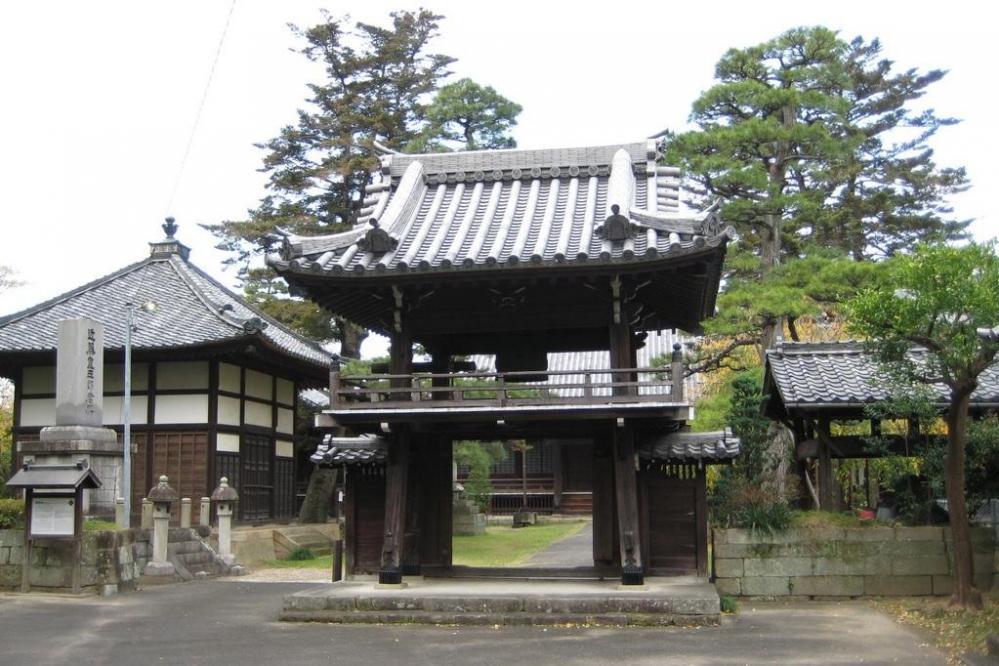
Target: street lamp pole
(126, 461)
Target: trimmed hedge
(11, 513)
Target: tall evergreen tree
(379, 87)
(810, 141)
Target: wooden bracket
(615, 285)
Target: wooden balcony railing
(500, 389)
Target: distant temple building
(214, 381)
(518, 255)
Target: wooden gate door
(674, 532)
(256, 474)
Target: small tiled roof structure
(55, 477)
(193, 311)
(363, 449)
(509, 208)
(804, 377)
(684, 447)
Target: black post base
(632, 575)
(392, 576)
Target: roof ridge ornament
(617, 227)
(377, 240)
(169, 246)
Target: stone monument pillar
(79, 432)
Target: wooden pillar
(557, 482)
(825, 476)
(626, 496)
(393, 539)
(437, 497)
(605, 552)
(415, 489)
(625, 481)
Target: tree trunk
(965, 595)
(318, 496)
(769, 259)
(351, 337)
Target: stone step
(191, 559)
(184, 547)
(517, 618)
(682, 601)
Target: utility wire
(201, 107)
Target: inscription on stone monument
(80, 373)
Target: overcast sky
(98, 99)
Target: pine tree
(810, 141)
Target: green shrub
(729, 604)
(97, 525)
(300, 554)
(11, 513)
(767, 517)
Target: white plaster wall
(227, 442)
(114, 378)
(114, 414)
(285, 391)
(257, 414)
(228, 410)
(38, 412)
(182, 375)
(182, 408)
(259, 385)
(284, 449)
(38, 379)
(285, 420)
(229, 377)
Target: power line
(201, 107)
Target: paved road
(573, 551)
(224, 622)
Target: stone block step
(508, 619)
(184, 547)
(190, 559)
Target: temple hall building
(214, 381)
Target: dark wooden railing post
(588, 384)
(334, 380)
(676, 373)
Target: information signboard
(53, 516)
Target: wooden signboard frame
(30, 538)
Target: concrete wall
(851, 562)
(109, 558)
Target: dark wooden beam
(626, 496)
(396, 481)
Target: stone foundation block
(774, 586)
(778, 566)
(907, 586)
(914, 566)
(925, 533)
(869, 534)
(732, 551)
(729, 586)
(828, 586)
(726, 568)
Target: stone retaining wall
(845, 562)
(109, 558)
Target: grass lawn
(955, 632)
(324, 562)
(503, 546)
(500, 546)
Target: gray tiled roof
(192, 310)
(844, 374)
(351, 450)
(714, 446)
(503, 208)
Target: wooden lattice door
(256, 456)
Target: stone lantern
(161, 497)
(225, 497)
